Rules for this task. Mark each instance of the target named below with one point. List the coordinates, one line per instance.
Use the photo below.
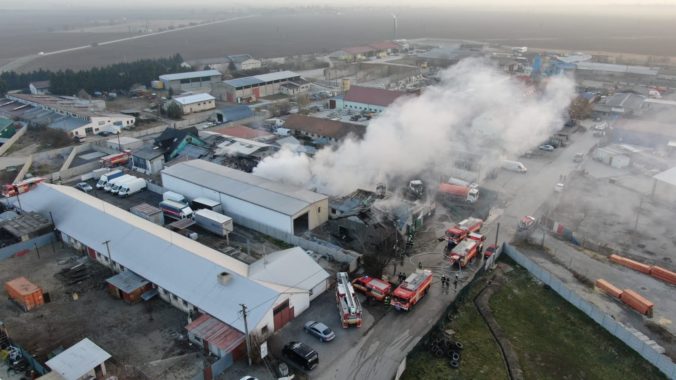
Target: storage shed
(84, 360)
(24, 293)
(128, 286)
(148, 212)
(253, 201)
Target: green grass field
(552, 338)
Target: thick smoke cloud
(475, 114)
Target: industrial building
(233, 113)
(190, 276)
(318, 128)
(624, 104)
(368, 99)
(191, 81)
(644, 133)
(195, 103)
(248, 198)
(664, 186)
(39, 87)
(78, 117)
(147, 160)
(247, 89)
(244, 62)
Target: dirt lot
(139, 337)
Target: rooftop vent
(224, 278)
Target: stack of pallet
(627, 296)
(653, 270)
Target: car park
(84, 186)
(301, 354)
(320, 330)
(546, 148)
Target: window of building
(319, 209)
(184, 303)
(264, 330)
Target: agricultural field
(551, 338)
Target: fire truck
(467, 250)
(10, 190)
(348, 304)
(412, 290)
(115, 159)
(372, 287)
(459, 232)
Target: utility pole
(107, 243)
(246, 332)
(16, 188)
(36, 249)
(118, 141)
(638, 213)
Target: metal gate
(282, 314)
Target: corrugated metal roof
(243, 82)
(127, 281)
(68, 124)
(191, 74)
(613, 68)
(77, 360)
(371, 95)
(190, 99)
(235, 113)
(174, 262)
(260, 191)
(279, 75)
(291, 267)
(667, 176)
(215, 332)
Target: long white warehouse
(250, 200)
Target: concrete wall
(318, 213)
(664, 192)
(5, 147)
(198, 106)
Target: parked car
(490, 251)
(84, 186)
(301, 354)
(579, 157)
(105, 133)
(320, 330)
(546, 148)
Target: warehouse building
(664, 186)
(247, 198)
(244, 62)
(368, 99)
(190, 276)
(191, 81)
(318, 128)
(644, 133)
(195, 103)
(247, 89)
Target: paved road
(379, 353)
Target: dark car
(320, 330)
(301, 354)
(105, 133)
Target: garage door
(282, 314)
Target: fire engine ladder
(415, 282)
(349, 296)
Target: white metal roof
(257, 190)
(667, 176)
(190, 99)
(280, 75)
(77, 360)
(191, 74)
(291, 267)
(174, 262)
(213, 215)
(613, 68)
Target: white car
(546, 148)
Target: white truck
(212, 221)
(112, 183)
(206, 203)
(176, 210)
(514, 166)
(118, 185)
(132, 187)
(175, 197)
(105, 178)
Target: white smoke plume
(475, 111)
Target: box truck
(214, 222)
(206, 203)
(116, 181)
(132, 187)
(176, 197)
(176, 210)
(104, 179)
(514, 166)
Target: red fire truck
(348, 304)
(466, 250)
(372, 287)
(115, 159)
(412, 290)
(10, 190)
(457, 233)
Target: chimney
(224, 278)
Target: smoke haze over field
(475, 110)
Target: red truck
(10, 190)
(116, 159)
(466, 250)
(372, 287)
(458, 192)
(459, 232)
(412, 290)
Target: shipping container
(663, 274)
(25, 293)
(637, 302)
(206, 203)
(214, 222)
(629, 263)
(148, 212)
(608, 288)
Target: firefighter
(455, 284)
(419, 264)
(443, 280)
(386, 301)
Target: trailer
(372, 287)
(105, 178)
(206, 203)
(412, 290)
(214, 222)
(459, 192)
(116, 159)
(132, 187)
(348, 304)
(12, 189)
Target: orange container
(637, 302)
(608, 288)
(629, 263)
(663, 274)
(25, 293)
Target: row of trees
(115, 77)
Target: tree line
(115, 77)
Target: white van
(110, 184)
(514, 166)
(132, 187)
(175, 197)
(118, 185)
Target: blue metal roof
(235, 113)
(68, 124)
(242, 82)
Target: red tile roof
(371, 95)
(323, 127)
(216, 332)
(384, 45)
(244, 132)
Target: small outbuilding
(148, 160)
(128, 286)
(195, 103)
(84, 360)
(216, 337)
